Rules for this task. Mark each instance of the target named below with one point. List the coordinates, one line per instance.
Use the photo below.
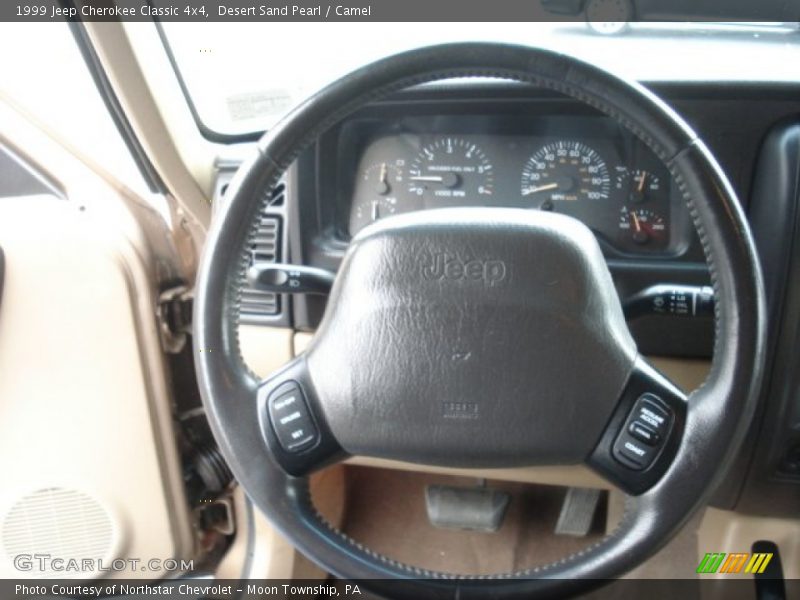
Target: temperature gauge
(643, 227)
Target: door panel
(87, 447)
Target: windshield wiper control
(290, 279)
(671, 300)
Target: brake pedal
(577, 512)
(473, 509)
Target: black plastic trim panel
(774, 471)
(324, 450)
(644, 382)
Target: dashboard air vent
(264, 247)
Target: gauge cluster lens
(617, 188)
(566, 170)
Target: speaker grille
(59, 522)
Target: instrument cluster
(611, 182)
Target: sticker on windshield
(252, 105)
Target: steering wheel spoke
(292, 422)
(644, 433)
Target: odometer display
(565, 171)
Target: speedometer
(565, 171)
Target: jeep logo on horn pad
(445, 266)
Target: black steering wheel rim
(718, 412)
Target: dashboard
(585, 167)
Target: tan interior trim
(572, 475)
(172, 141)
(83, 385)
(687, 373)
(265, 349)
(258, 550)
(729, 532)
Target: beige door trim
(162, 122)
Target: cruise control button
(652, 413)
(296, 434)
(632, 453)
(643, 433)
(291, 419)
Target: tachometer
(565, 171)
(451, 169)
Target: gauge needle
(450, 180)
(384, 170)
(433, 178)
(541, 188)
(640, 189)
(375, 210)
(636, 221)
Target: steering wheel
(482, 337)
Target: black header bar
(487, 11)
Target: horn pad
(482, 337)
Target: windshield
(242, 77)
